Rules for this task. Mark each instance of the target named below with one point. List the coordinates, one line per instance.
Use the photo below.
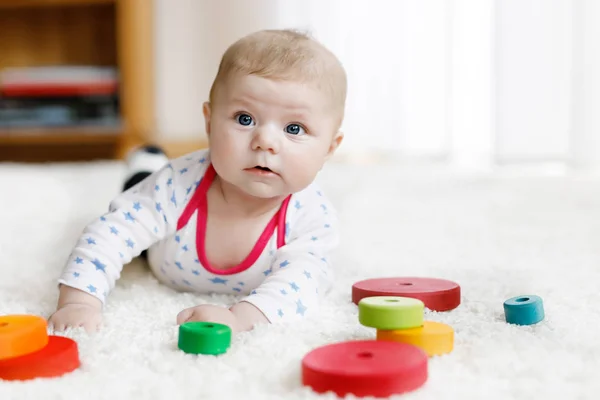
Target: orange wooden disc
(59, 357)
(21, 335)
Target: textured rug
(497, 236)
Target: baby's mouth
(263, 168)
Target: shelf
(59, 136)
(48, 3)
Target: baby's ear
(206, 110)
(335, 143)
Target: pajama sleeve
(137, 218)
(301, 271)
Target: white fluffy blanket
(497, 236)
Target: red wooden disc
(365, 368)
(437, 294)
(58, 357)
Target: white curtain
(474, 83)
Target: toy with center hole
(437, 294)
(524, 310)
(199, 337)
(365, 368)
(390, 312)
(58, 357)
(21, 335)
(435, 338)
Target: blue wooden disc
(524, 310)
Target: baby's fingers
(184, 315)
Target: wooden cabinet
(115, 33)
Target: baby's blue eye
(294, 129)
(244, 119)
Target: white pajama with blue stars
(283, 282)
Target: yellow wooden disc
(434, 338)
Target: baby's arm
(137, 218)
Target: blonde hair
(285, 55)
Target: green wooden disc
(391, 312)
(204, 338)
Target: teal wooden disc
(524, 310)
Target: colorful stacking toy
(524, 310)
(204, 338)
(365, 368)
(28, 352)
(437, 294)
(401, 319)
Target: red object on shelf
(437, 294)
(365, 368)
(59, 357)
(47, 89)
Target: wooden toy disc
(435, 338)
(21, 334)
(59, 357)
(437, 294)
(365, 368)
(390, 312)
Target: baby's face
(286, 129)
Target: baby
(242, 217)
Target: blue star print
(103, 218)
(156, 188)
(283, 292)
(287, 228)
(185, 248)
(294, 286)
(187, 282)
(128, 216)
(91, 241)
(169, 182)
(300, 308)
(195, 272)
(218, 280)
(327, 226)
(99, 265)
(298, 205)
(280, 312)
(130, 243)
(137, 206)
(75, 274)
(284, 264)
(158, 207)
(188, 190)
(183, 171)
(202, 160)
(178, 264)
(114, 230)
(237, 289)
(267, 272)
(91, 288)
(307, 274)
(177, 239)
(314, 238)
(79, 260)
(174, 200)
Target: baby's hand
(76, 315)
(209, 313)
